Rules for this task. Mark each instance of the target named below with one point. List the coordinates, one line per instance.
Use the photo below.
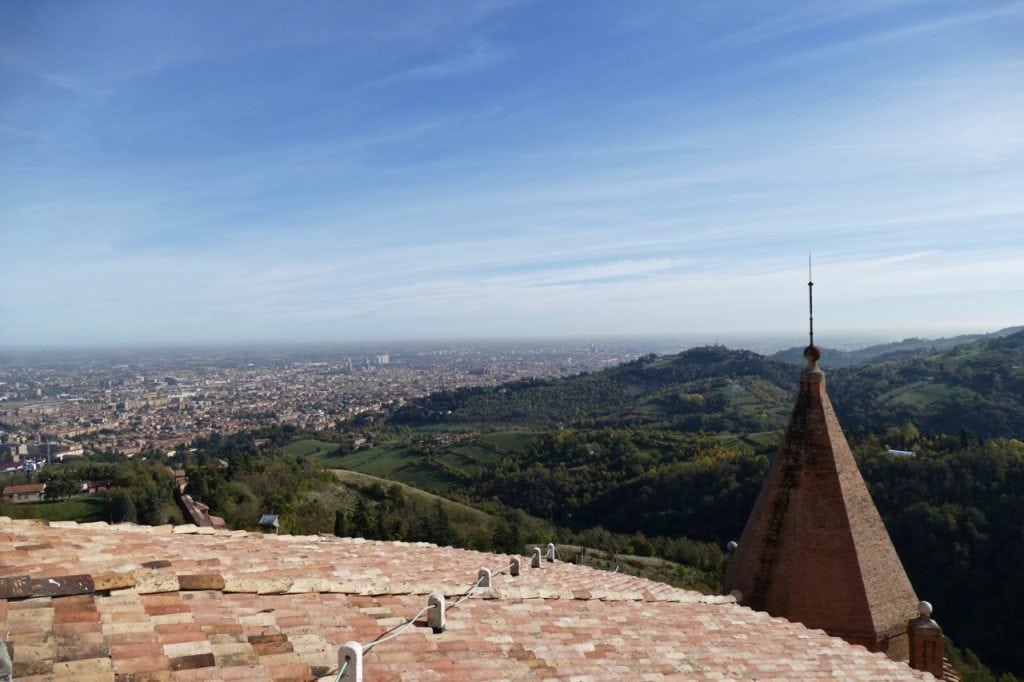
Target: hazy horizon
(206, 173)
(751, 340)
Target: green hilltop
(973, 389)
(710, 389)
(976, 387)
(898, 350)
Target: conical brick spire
(814, 549)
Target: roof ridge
(150, 580)
(149, 571)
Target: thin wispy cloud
(508, 168)
(802, 17)
(478, 56)
(888, 36)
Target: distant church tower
(814, 549)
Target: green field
(465, 519)
(438, 467)
(918, 394)
(458, 512)
(751, 441)
(310, 447)
(83, 508)
(510, 441)
(394, 461)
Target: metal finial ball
(924, 608)
(731, 546)
(812, 353)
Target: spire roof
(814, 549)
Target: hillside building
(31, 492)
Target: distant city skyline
(208, 173)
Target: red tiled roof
(24, 489)
(131, 603)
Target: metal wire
(399, 630)
(404, 626)
(468, 592)
(383, 638)
(341, 671)
(504, 570)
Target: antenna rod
(810, 297)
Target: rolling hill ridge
(976, 387)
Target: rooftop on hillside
(126, 603)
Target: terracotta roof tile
(238, 606)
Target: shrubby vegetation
(974, 391)
(655, 482)
(241, 481)
(140, 489)
(712, 388)
(955, 518)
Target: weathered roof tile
(234, 606)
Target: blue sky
(280, 171)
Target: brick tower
(814, 549)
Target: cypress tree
(361, 519)
(122, 509)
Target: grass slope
(429, 464)
(652, 568)
(310, 447)
(512, 441)
(397, 462)
(82, 508)
(457, 511)
(467, 519)
(919, 394)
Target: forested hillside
(955, 519)
(898, 350)
(711, 389)
(972, 390)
